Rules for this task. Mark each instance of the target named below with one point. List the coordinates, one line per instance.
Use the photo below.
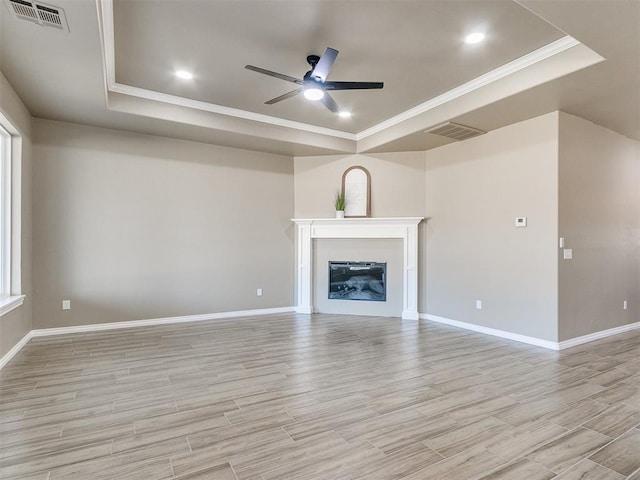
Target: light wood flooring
(326, 397)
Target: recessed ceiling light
(475, 37)
(184, 75)
(313, 94)
(344, 114)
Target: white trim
(10, 303)
(105, 16)
(228, 111)
(11, 210)
(16, 348)
(572, 342)
(16, 215)
(106, 29)
(105, 10)
(492, 331)
(6, 161)
(97, 327)
(510, 68)
(107, 45)
(405, 228)
(407, 315)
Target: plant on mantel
(339, 203)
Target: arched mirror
(356, 186)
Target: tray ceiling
(115, 66)
(415, 47)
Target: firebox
(358, 281)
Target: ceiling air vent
(40, 13)
(455, 131)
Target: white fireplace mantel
(396, 227)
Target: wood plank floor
(326, 397)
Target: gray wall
(17, 323)
(567, 176)
(474, 191)
(397, 183)
(470, 249)
(131, 226)
(599, 217)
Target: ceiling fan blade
(290, 94)
(352, 85)
(330, 103)
(281, 76)
(324, 64)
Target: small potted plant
(339, 202)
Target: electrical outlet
(66, 304)
(479, 304)
(521, 221)
(259, 292)
(567, 254)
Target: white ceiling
(115, 67)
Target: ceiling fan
(314, 84)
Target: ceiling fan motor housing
(313, 60)
(314, 85)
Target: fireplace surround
(405, 228)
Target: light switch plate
(567, 253)
(521, 221)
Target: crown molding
(510, 68)
(105, 19)
(227, 111)
(107, 33)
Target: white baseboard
(97, 327)
(16, 348)
(572, 342)
(532, 340)
(410, 315)
(538, 342)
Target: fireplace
(358, 281)
(405, 228)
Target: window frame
(5, 213)
(10, 215)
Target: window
(10, 152)
(5, 214)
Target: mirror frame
(365, 204)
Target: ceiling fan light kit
(314, 85)
(313, 93)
